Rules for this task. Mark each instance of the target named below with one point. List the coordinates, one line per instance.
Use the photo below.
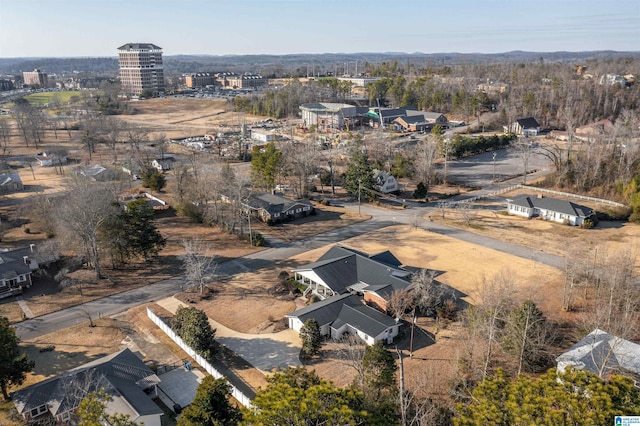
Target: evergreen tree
(297, 397)
(359, 175)
(574, 397)
(211, 406)
(143, 238)
(265, 165)
(13, 365)
(193, 326)
(311, 339)
(421, 191)
(152, 179)
(379, 387)
(525, 335)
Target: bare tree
(197, 262)
(5, 135)
(349, 351)
(424, 160)
(82, 213)
(523, 149)
(400, 302)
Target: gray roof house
(385, 182)
(341, 270)
(345, 313)
(129, 382)
(523, 126)
(547, 208)
(10, 182)
(17, 265)
(276, 208)
(603, 354)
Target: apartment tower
(141, 68)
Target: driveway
(265, 352)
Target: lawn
(43, 98)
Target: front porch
(315, 287)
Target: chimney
(26, 260)
(540, 195)
(32, 247)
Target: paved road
(381, 218)
(106, 306)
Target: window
(38, 411)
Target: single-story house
(163, 164)
(16, 267)
(345, 313)
(122, 375)
(603, 354)
(10, 182)
(552, 209)
(385, 182)
(344, 270)
(276, 208)
(48, 159)
(99, 173)
(523, 126)
(420, 121)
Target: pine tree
(311, 339)
(13, 365)
(211, 406)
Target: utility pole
(359, 191)
(333, 189)
(446, 158)
(401, 371)
(413, 323)
(250, 233)
(494, 166)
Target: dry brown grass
(73, 347)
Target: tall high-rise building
(35, 78)
(141, 68)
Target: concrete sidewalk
(264, 351)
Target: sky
(72, 28)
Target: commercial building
(141, 68)
(35, 78)
(200, 79)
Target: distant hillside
(285, 64)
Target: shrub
(189, 210)
(587, 224)
(257, 240)
(27, 230)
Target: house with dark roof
(122, 375)
(385, 182)
(163, 164)
(419, 121)
(552, 209)
(345, 313)
(10, 182)
(17, 265)
(603, 354)
(523, 126)
(344, 270)
(276, 208)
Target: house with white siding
(552, 209)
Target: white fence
(452, 204)
(566, 194)
(237, 394)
